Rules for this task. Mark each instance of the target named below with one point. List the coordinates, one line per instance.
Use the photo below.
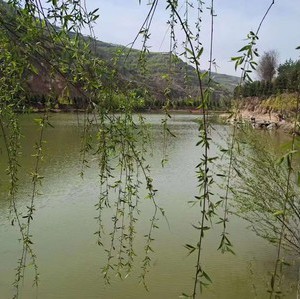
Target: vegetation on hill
(278, 95)
(165, 72)
(287, 80)
(151, 86)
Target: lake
(68, 256)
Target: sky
(120, 20)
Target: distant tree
(288, 78)
(267, 65)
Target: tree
(260, 190)
(288, 78)
(267, 65)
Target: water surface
(69, 259)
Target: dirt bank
(276, 119)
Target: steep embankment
(280, 109)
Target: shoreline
(262, 120)
(174, 111)
(243, 116)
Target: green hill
(161, 70)
(161, 74)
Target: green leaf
(50, 125)
(245, 48)
(38, 121)
(94, 11)
(280, 160)
(200, 53)
(206, 276)
(190, 248)
(278, 213)
(169, 131)
(224, 150)
(34, 69)
(204, 75)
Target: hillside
(159, 73)
(184, 80)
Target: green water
(68, 257)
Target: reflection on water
(69, 259)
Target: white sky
(120, 21)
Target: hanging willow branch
(247, 64)
(205, 179)
(275, 282)
(116, 135)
